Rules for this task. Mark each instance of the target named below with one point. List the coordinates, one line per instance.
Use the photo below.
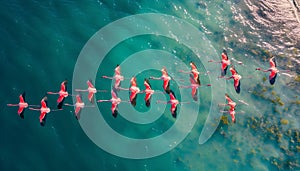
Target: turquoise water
(40, 44)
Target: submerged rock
(284, 121)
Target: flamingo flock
(194, 77)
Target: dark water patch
(236, 1)
(201, 5)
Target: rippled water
(40, 43)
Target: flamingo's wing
(147, 85)
(60, 99)
(133, 96)
(196, 77)
(233, 71)
(77, 110)
(224, 55)
(113, 94)
(172, 96)
(114, 110)
(21, 112)
(63, 86)
(148, 96)
(43, 118)
(224, 68)
(133, 81)
(232, 114)
(193, 66)
(22, 98)
(78, 99)
(229, 100)
(147, 99)
(194, 93)
(90, 84)
(44, 103)
(166, 85)
(192, 79)
(174, 110)
(91, 96)
(60, 102)
(272, 77)
(237, 86)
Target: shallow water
(40, 44)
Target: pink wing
(60, 99)
(63, 86)
(133, 81)
(147, 85)
(272, 62)
(43, 103)
(21, 99)
(113, 94)
(272, 75)
(224, 56)
(196, 75)
(232, 114)
(132, 95)
(173, 107)
(172, 97)
(42, 116)
(148, 96)
(90, 84)
(77, 110)
(233, 71)
(193, 66)
(90, 96)
(228, 98)
(78, 99)
(236, 82)
(224, 65)
(113, 107)
(20, 110)
(194, 91)
(192, 80)
(166, 82)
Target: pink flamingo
(148, 92)
(194, 85)
(236, 79)
(225, 62)
(174, 102)
(232, 114)
(273, 70)
(193, 71)
(91, 90)
(115, 100)
(230, 102)
(78, 106)
(62, 94)
(43, 111)
(117, 77)
(232, 106)
(166, 79)
(134, 90)
(22, 105)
